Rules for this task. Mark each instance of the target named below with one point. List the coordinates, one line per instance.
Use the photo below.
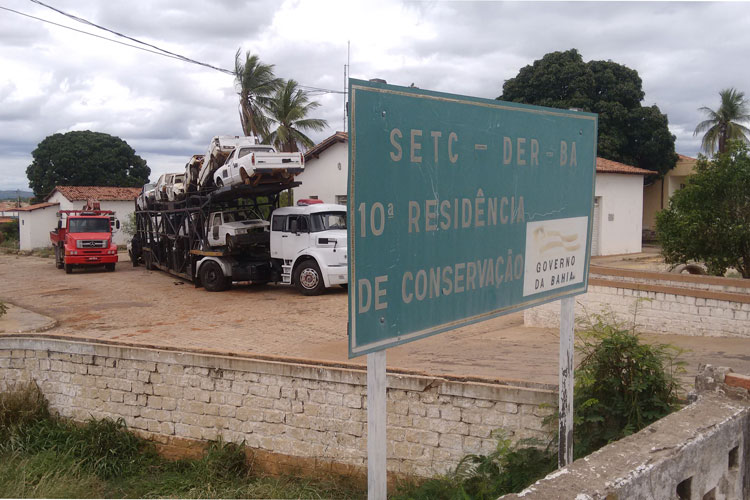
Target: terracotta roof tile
(687, 158)
(36, 206)
(604, 166)
(99, 193)
(315, 151)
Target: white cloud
(56, 80)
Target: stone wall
(700, 452)
(303, 415)
(665, 303)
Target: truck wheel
(230, 244)
(212, 277)
(308, 279)
(219, 182)
(109, 267)
(58, 258)
(68, 268)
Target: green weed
(621, 384)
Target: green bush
(508, 469)
(3, 309)
(621, 384)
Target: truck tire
(68, 268)
(212, 277)
(219, 182)
(308, 279)
(109, 267)
(230, 244)
(58, 258)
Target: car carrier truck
(238, 233)
(84, 238)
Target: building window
(313, 197)
(341, 199)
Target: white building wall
(326, 176)
(65, 204)
(34, 227)
(122, 210)
(621, 209)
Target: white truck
(226, 240)
(232, 160)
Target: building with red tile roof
(101, 193)
(36, 221)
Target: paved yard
(151, 308)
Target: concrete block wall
(701, 452)
(662, 303)
(314, 413)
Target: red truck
(84, 238)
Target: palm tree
(254, 82)
(722, 125)
(287, 109)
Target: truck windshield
(88, 225)
(324, 221)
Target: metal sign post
(460, 209)
(565, 382)
(376, 425)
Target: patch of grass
(9, 244)
(22, 406)
(47, 475)
(3, 309)
(508, 469)
(44, 252)
(42, 456)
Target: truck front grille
(93, 244)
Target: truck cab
(84, 238)
(309, 243)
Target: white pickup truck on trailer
(232, 160)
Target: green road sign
(461, 209)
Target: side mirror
(59, 224)
(116, 225)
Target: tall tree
(723, 124)
(254, 82)
(288, 110)
(85, 158)
(709, 219)
(628, 132)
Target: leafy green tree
(288, 110)
(254, 82)
(722, 125)
(85, 158)
(709, 219)
(628, 132)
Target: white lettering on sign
(415, 145)
(526, 151)
(555, 254)
(463, 213)
(461, 277)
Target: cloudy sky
(56, 80)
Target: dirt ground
(151, 308)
